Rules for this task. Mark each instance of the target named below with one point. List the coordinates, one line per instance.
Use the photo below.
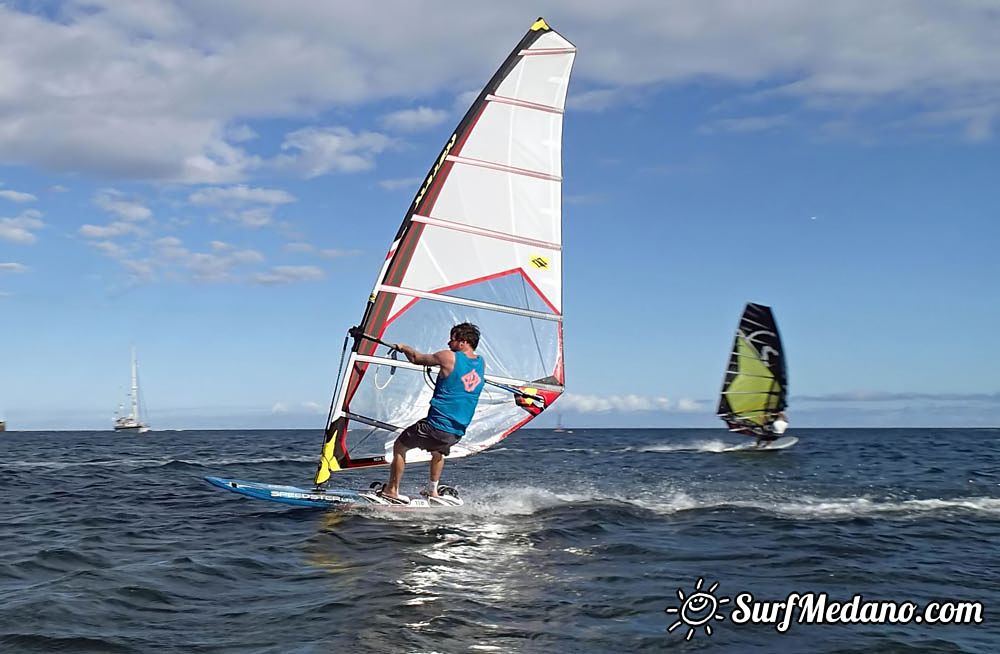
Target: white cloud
(314, 407)
(114, 203)
(240, 134)
(333, 253)
(595, 99)
(603, 403)
(317, 151)
(414, 120)
(326, 253)
(746, 124)
(111, 230)
(13, 267)
(166, 91)
(168, 258)
(686, 405)
(110, 249)
(289, 275)
(17, 196)
(237, 196)
(21, 228)
(236, 203)
(402, 183)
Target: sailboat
(755, 386)
(481, 242)
(132, 421)
(559, 426)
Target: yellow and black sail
(755, 387)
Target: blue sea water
(569, 542)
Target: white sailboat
(133, 420)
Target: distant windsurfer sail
(481, 243)
(755, 387)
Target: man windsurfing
(460, 381)
(775, 430)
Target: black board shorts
(421, 435)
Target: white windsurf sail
(480, 243)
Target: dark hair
(466, 332)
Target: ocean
(590, 541)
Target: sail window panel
(398, 398)
(541, 79)
(403, 398)
(522, 138)
(514, 347)
(511, 290)
(449, 261)
(529, 207)
(496, 417)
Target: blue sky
(217, 183)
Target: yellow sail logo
(540, 262)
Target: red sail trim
(526, 420)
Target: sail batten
(493, 165)
(481, 242)
(503, 236)
(546, 51)
(525, 104)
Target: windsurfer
(461, 377)
(775, 430)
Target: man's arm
(445, 359)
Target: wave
(528, 500)
(712, 445)
(134, 463)
(836, 507)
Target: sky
(216, 182)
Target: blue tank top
(455, 396)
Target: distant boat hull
(137, 429)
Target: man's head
(464, 333)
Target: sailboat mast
(135, 387)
